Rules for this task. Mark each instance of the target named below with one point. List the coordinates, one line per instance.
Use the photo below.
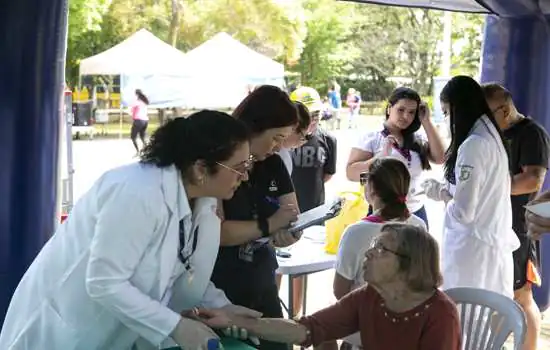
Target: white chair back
(487, 319)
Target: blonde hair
(419, 256)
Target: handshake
(436, 190)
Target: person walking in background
(353, 101)
(335, 101)
(140, 119)
(528, 144)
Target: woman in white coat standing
(478, 239)
(138, 249)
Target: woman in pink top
(140, 118)
(400, 308)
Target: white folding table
(307, 256)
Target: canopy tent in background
(221, 70)
(516, 53)
(143, 61)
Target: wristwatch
(263, 225)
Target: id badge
(246, 252)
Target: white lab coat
(478, 239)
(107, 275)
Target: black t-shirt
(311, 162)
(528, 143)
(251, 266)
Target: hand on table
(193, 334)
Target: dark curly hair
(209, 136)
(267, 107)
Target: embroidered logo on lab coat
(465, 172)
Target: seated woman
(386, 186)
(400, 308)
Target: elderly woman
(401, 298)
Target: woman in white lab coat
(478, 239)
(138, 249)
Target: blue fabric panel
(516, 54)
(32, 55)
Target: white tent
(221, 70)
(144, 62)
(142, 53)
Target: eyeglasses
(247, 166)
(379, 248)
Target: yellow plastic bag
(355, 208)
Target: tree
(327, 51)
(466, 43)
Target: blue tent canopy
(32, 58)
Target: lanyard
(185, 259)
(406, 153)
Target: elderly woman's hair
(267, 107)
(419, 260)
(207, 136)
(304, 118)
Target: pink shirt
(139, 111)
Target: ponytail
(395, 209)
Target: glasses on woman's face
(378, 248)
(242, 169)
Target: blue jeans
(421, 213)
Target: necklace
(406, 315)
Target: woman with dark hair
(400, 308)
(386, 186)
(140, 119)
(138, 249)
(261, 210)
(478, 236)
(405, 113)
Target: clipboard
(317, 216)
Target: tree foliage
(368, 47)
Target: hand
(283, 217)
(435, 190)
(389, 143)
(242, 312)
(537, 225)
(424, 113)
(283, 238)
(192, 334)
